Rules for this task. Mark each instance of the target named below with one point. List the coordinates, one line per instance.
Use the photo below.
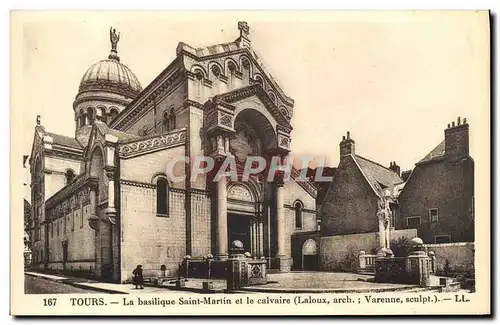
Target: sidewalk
(192, 285)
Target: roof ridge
(376, 163)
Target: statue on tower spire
(114, 38)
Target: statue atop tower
(114, 38)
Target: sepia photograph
(333, 163)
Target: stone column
(280, 219)
(254, 237)
(381, 233)
(261, 238)
(110, 227)
(283, 261)
(388, 235)
(252, 234)
(222, 244)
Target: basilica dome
(110, 75)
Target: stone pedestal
(417, 264)
(237, 268)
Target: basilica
(102, 202)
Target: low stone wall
(340, 253)
(452, 258)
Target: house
(438, 197)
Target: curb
(76, 285)
(304, 290)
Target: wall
(173, 99)
(447, 186)
(73, 228)
(339, 253)
(55, 168)
(148, 239)
(459, 255)
(350, 204)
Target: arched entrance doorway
(244, 222)
(309, 255)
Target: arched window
(198, 84)
(113, 113)
(298, 215)
(162, 197)
(246, 70)
(82, 119)
(232, 70)
(70, 175)
(169, 120)
(90, 114)
(259, 80)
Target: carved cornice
(152, 144)
(66, 191)
(193, 103)
(148, 185)
(305, 184)
(288, 206)
(284, 129)
(137, 184)
(108, 86)
(199, 191)
(257, 90)
(141, 103)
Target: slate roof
(378, 176)
(64, 140)
(437, 152)
(122, 136)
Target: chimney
(405, 175)
(457, 140)
(395, 168)
(346, 145)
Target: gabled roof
(378, 176)
(248, 91)
(122, 136)
(63, 140)
(436, 153)
(207, 52)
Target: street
(34, 285)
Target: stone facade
(120, 208)
(350, 203)
(438, 197)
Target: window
(57, 227)
(51, 229)
(162, 197)
(413, 221)
(169, 120)
(433, 215)
(442, 239)
(70, 175)
(298, 215)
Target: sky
(393, 79)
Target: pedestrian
(137, 278)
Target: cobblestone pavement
(321, 280)
(34, 285)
